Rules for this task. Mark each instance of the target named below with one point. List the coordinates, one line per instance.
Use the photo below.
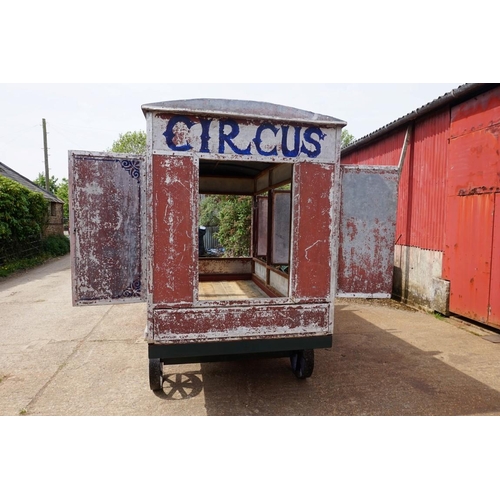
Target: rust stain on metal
(175, 256)
(313, 230)
(105, 225)
(479, 190)
(230, 323)
(367, 231)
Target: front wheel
(155, 374)
(302, 363)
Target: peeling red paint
(105, 194)
(313, 230)
(230, 323)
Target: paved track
(56, 359)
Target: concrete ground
(387, 359)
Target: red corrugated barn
(447, 243)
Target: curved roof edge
(243, 109)
(454, 96)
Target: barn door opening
(105, 227)
(470, 261)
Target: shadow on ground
(367, 373)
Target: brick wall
(55, 222)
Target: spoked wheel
(155, 374)
(302, 363)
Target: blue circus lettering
(227, 138)
(308, 138)
(290, 153)
(170, 134)
(205, 135)
(258, 139)
(182, 132)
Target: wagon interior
(262, 271)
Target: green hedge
(56, 245)
(23, 216)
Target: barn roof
(455, 96)
(13, 175)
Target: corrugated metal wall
(472, 196)
(449, 198)
(386, 151)
(420, 218)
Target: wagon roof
(243, 109)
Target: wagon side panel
(312, 231)
(105, 227)
(175, 234)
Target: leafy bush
(233, 215)
(56, 245)
(23, 216)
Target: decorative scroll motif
(133, 167)
(133, 290)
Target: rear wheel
(155, 374)
(302, 363)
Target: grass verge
(53, 246)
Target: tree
(233, 216)
(346, 138)
(130, 142)
(40, 181)
(63, 194)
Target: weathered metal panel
(213, 137)
(494, 312)
(313, 231)
(175, 231)
(231, 323)
(367, 227)
(105, 225)
(281, 220)
(261, 226)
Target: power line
(61, 134)
(18, 131)
(85, 128)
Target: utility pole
(46, 154)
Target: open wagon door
(105, 227)
(367, 231)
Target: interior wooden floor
(229, 290)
